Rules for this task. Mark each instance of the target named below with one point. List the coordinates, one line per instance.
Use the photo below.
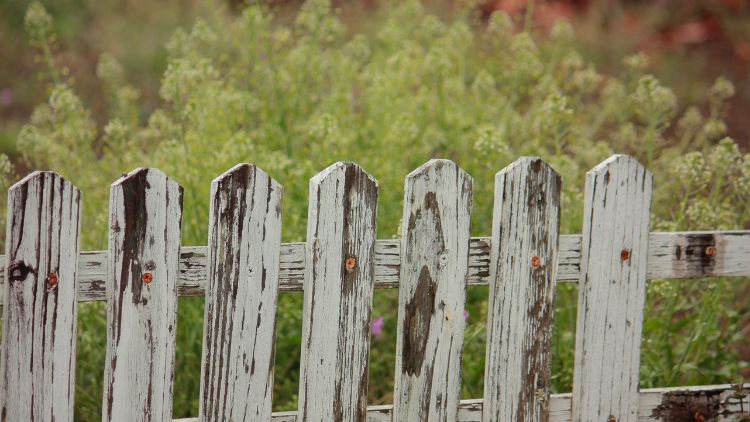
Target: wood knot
(625, 255)
(18, 271)
(351, 263)
(148, 278)
(52, 280)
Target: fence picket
(338, 295)
(238, 344)
(39, 321)
(523, 266)
(432, 292)
(245, 266)
(612, 291)
(144, 247)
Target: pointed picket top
(432, 291)
(437, 166)
(339, 284)
(352, 177)
(145, 220)
(146, 175)
(523, 268)
(612, 290)
(40, 305)
(535, 164)
(244, 238)
(40, 175)
(620, 168)
(344, 169)
(245, 172)
(616, 159)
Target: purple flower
(377, 327)
(6, 97)
(466, 314)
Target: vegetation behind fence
(412, 86)
(145, 271)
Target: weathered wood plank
(432, 292)
(655, 405)
(525, 228)
(244, 236)
(612, 291)
(698, 254)
(338, 294)
(664, 262)
(144, 244)
(39, 324)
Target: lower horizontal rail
(712, 402)
(670, 255)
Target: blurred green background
(95, 88)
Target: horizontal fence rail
(43, 277)
(671, 255)
(678, 404)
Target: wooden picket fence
(245, 265)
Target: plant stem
(529, 16)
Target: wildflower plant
(294, 97)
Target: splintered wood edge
(338, 293)
(655, 404)
(612, 293)
(436, 223)
(45, 244)
(525, 236)
(145, 205)
(670, 255)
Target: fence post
(144, 245)
(612, 291)
(39, 324)
(523, 266)
(432, 292)
(244, 240)
(339, 283)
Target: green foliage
(294, 98)
(38, 25)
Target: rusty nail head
(611, 419)
(148, 278)
(536, 261)
(710, 251)
(351, 262)
(699, 417)
(52, 279)
(625, 255)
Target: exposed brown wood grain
(245, 265)
(432, 292)
(523, 264)
(144, 245)
(240, 311)
(664, 262)
(338, 295)
(612, 291)
(39, 321)
(653, 402)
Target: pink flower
(6, 97)
(377, 327)
(466, 314)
